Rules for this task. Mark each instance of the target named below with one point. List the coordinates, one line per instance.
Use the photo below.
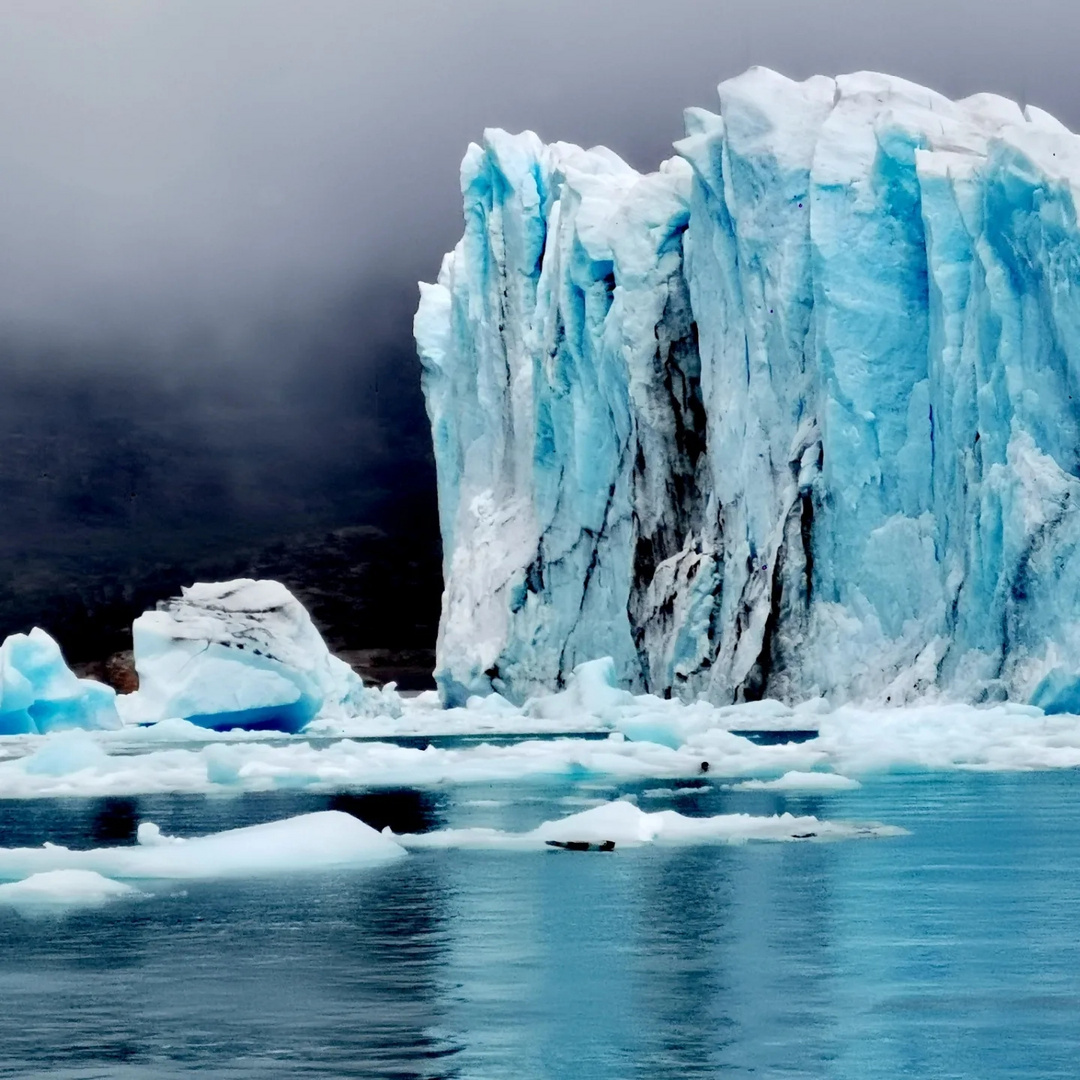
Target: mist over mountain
(212, 220)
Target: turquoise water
(953, 952)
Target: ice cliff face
(793, 415)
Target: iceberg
(796, 415)
(619, 824)
(238, 654)
(58, 891)
(326, 840)
(39, 693)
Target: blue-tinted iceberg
(239, 654)
(792, 416)
(39, 693)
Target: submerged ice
(793, 415)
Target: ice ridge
(793, 415)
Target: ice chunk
(239, 654)
(39, 693)
(592, 691)
(328, 840)
(794, 416)
(62, 890)
(65, 753)
(622, 824)
(802, 781)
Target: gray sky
(171, 162)
(213, 214)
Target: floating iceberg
(238, 654)
(62, 890)
(797, 414)
(39, 693)
(328, 840)
(621, 824)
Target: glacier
(791, 417)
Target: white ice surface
(801, 781)
(626, 825)
(236, 654)
(647, 738)
(61, 890)
(329, 840)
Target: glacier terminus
(792, 416)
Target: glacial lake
(951, 952)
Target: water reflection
(115, 821)
(333, 977)
(950, 952)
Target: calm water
(954, 952)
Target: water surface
(952, 952)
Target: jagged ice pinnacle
(793, 415)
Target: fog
(212, 218)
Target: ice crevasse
(797, 414)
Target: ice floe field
(589, 883)
(736, 927)
(591, 733)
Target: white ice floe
(851, 742)
(623, 824)
(329, 840)
(62, 890)
(646, 738)
(801, 781)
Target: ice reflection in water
(949, 952)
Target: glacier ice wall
(793, 415)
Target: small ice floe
(801, 781)
(58, 891)
(622, 824)
(675, 792)
(329, 840)
(39, 693)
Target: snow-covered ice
(796, 415)
(39, 693)
(239, 654)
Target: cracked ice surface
(796, 415)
